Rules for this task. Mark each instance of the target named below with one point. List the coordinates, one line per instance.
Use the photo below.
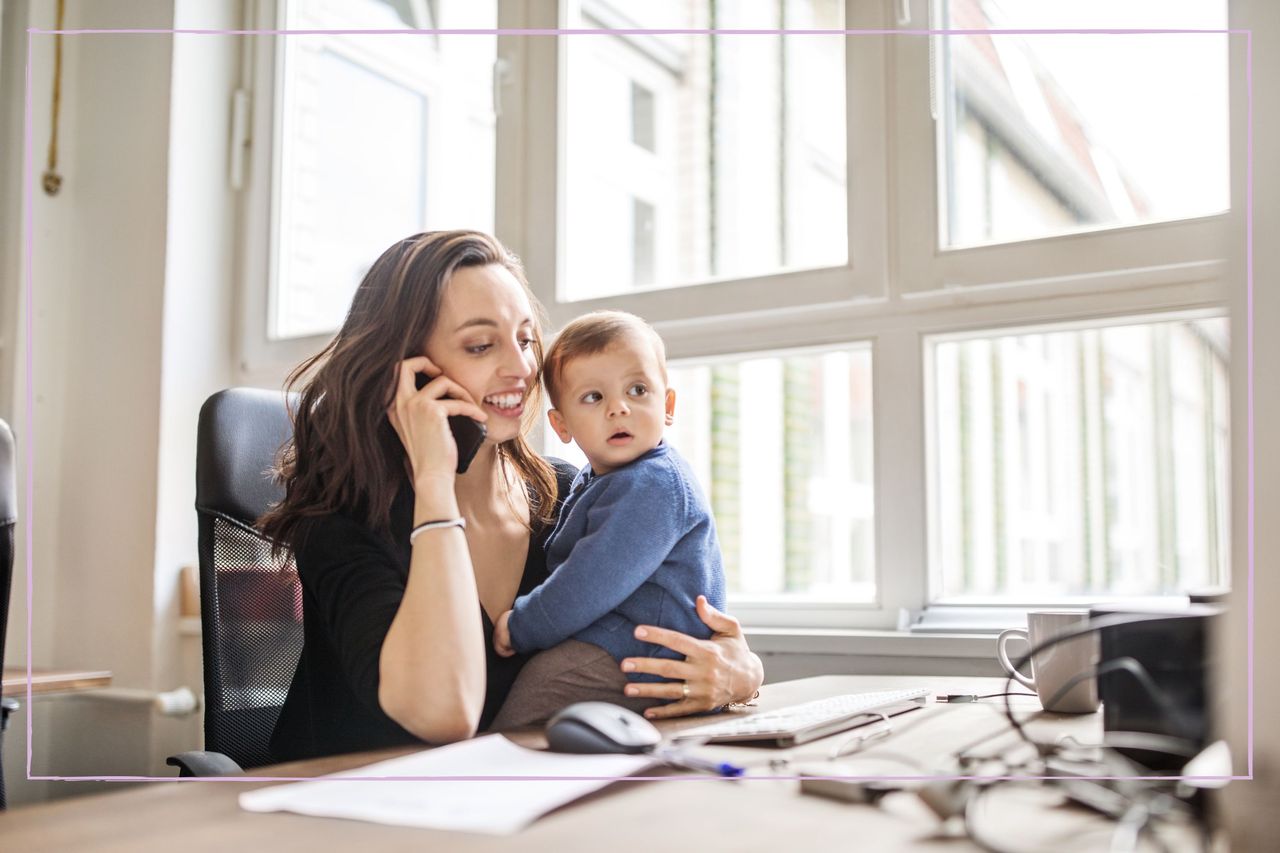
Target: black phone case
(468, 433)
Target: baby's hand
(502, 636)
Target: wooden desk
(52, 681)
(695, 813)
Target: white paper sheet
(498, 806)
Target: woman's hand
(421, 418)
(502, 636)
(713, 673)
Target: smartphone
(468, 433)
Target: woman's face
(483, 340)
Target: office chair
(250, 602)
(8, 520)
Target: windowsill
(824, 641)
(846, 641)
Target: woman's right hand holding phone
(434, 645)
(421, 419)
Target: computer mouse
(594, 727)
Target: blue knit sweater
(635, 546)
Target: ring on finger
(684, 689)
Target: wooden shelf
(45, 681)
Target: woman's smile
(506, 404)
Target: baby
(635, 543)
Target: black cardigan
(352, 583)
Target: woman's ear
(557, 423)
(671, 405)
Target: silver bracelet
(436, 525)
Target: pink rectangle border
(28, 196)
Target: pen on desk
(677, 758)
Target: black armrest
(200, 763)
(7, 707)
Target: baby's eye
(590, 397)
(638, 390)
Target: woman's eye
(591, 397)
(638, 390)
(477, 349)
(525, 343)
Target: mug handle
(1006, 635)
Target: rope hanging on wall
(51, 180)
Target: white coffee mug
(1054, 667)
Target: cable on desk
(959, 698)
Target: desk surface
(699, 813)
(52, 681)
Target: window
(1014, 256)
(1029, 157)
(353, 134)
(1045, 134)
(734, 145)
(782, 448)
(371, 138)
(782, 445)
(642, 118)
(1081, 463)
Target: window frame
(895, 291)
(1082, 261)
(262, 359)
(538, 63)
(976, 604)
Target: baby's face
(614, 403)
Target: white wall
(98, 274)
(132, 299)
(1250, 806)
(197, 322)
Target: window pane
(782, 446)
(1044, 134)
(1086, 463)
(735, 144)
(381, 136)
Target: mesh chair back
(250, 602)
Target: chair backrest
(250, 602)
(8, 520)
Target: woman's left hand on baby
(502, 636)
(713, 673)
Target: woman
(395, 550)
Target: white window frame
(263, 360)
(895, 290)
(536, 166)
(1094, 278)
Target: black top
(352, 583)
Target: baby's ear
(557, 423)
(671, 405)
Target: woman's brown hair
(344, 455)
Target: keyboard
(797, 724)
